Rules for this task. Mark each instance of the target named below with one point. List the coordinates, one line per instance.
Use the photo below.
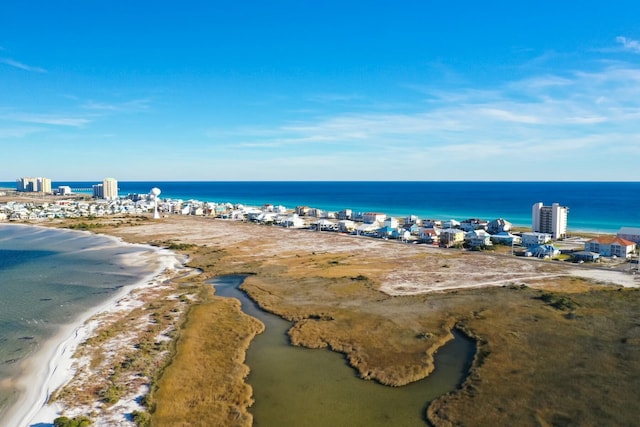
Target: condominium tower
(107, 190)
(549, 219)
(34, 185)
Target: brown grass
(538, 365)
(203, 385)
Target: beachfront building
(478, 238)
(506, 238)
(473, 224)
(108, 190)
(452, 223)
(293, 221)
(412, 228)
(585, 256)
(346, 226)
(451, 237)
(315, 212)
(301, 210)
(544, 251)
(531, 239)
(110, 186)
(498, 226)
(63, 190)
(373, 217)
(429, 235)
(391, 222)
(631, 234)
(34, 185)
(549, 219)
(368, 229)
(345, 214)
(413, 219)
(610, 246)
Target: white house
(506, 238)
(413, 219)
(371, 217)
(346, 225)
(391, 222)
(368, 228)
(473, 224)
(293, 221)
(534, 238)
(499, 226)
(452, 223)
(478, 238)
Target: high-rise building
(34, 185)
(110, 188)
(549, 219)
(107, 190)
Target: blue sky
(331, 90)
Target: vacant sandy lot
(416, 269)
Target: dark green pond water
(295, 386)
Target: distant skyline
(294, 90)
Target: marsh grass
(203, 384)
(553, 368)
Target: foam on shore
(52, 365)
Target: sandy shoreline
(53, 364)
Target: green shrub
(80, 421)
(111, 394)
(142, 419)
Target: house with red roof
(610, 246)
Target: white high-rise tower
(110, 189)
(549, 219)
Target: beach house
(544, 251)
(372, 217)
(531, 239)
(478, 238)
(499, 226)
(610, 246)
(630, 233)
(429, 235)
(451, 237)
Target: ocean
(49, 278)
(593, 206)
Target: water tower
(154, 193)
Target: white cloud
(509, 116)
(17, 132)
(21, 66)
(128, 106)
(547, 123)
(47, 119)
(629, 44)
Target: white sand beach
(53, 365)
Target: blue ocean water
(48, 278)
(593, 206)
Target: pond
(296, 386)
